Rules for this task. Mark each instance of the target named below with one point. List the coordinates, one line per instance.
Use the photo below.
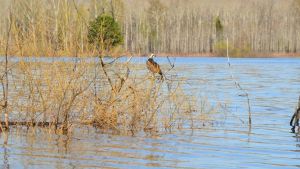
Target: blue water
(273, 86)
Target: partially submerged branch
(238, 86)
(5, 82)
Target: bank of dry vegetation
(58, 27)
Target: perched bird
(153, 66)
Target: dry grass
(181, 27)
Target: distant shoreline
(254, 55)
(200, 55)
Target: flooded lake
(273, 86)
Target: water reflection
(5, 150)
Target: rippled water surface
(273, 86)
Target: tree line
(60, 27)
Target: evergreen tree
(105, 33)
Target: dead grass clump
(104, 117)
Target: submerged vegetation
(61, 95)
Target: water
(273, 86)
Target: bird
(153, 66)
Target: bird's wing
(153, 66)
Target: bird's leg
(153, 76)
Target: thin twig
(106, 74)
(79, 14)
(5, 93)
(238, 86)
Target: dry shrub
(47, 92)
(109, 95)
(141, 102)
